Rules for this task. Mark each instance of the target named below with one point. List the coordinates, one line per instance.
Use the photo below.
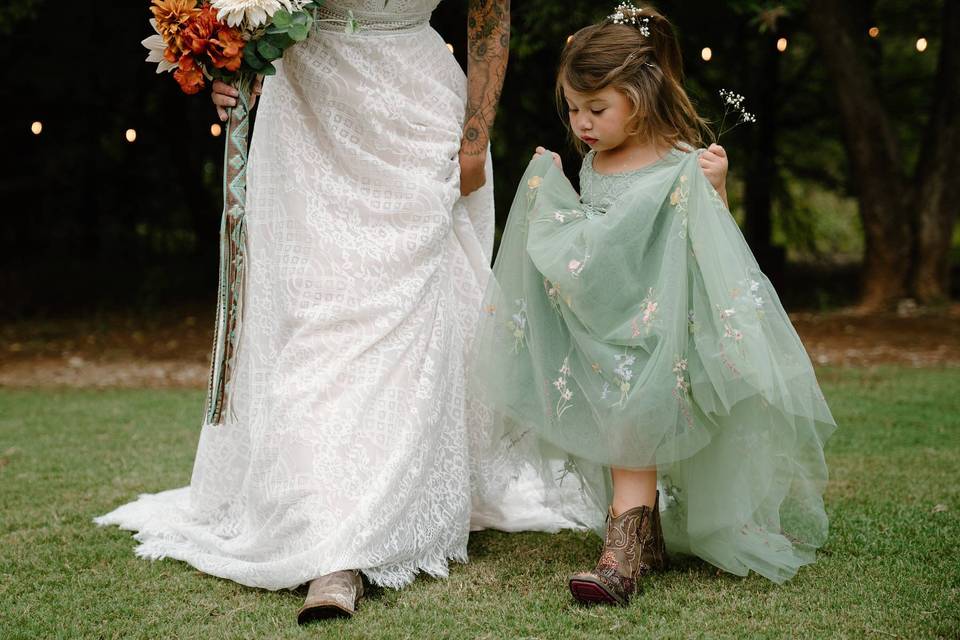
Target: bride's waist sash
(332, 18)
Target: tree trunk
(936, 183)
(874, 157)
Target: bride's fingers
(224, 101)
(222, 113)
(222, 87)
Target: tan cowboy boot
(334, 595)
(633, 548)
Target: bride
(352, 441)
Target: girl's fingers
(718, 150)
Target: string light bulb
(216, 130)
(36, 128)
(921, 44)
(131, 135)
(706, 53)
(782, 45)
(874, 32)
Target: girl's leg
(633, 488)
(633, 546)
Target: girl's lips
(588, 139)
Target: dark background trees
(850, 164)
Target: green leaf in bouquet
(280, 40)
(282, 18)
(299, 32)
(252, 59)
(268, 51)
(300, 18)
(269, 70)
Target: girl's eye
(570, 110)
(596, 112)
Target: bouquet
(233, 41)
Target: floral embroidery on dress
(681, 389)
(575, 267)
(518, 324)
(624, 374)
(648, 311)
(678, 199)
(532, 185)
(553, 293)
(563, 402)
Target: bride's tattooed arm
(488, 44)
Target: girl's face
(600, 119)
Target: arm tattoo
(488, 44)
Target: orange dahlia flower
(173, 17)
(189, 75)
(196, 36)
(226, 50)
(206, 35)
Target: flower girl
(630, 336)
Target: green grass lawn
(891, 567)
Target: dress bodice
(599, 190)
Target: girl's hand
(224, 96)
(556, 156)
(714, 163)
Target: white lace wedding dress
(352, 443)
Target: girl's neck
(629, 156)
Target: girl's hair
(647, 69)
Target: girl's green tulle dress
(632, 327)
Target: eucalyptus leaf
(252, 59)
(299, 32)
(282, 18)
(280, 40)
(269, 70)
(267, 50)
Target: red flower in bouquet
(226, 50)
(196, 36)
(189, 75)
(173, 18)
(206, 35)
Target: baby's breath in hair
(733, 104)
(626, 13)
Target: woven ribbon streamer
(233, 255)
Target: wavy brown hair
(648, 70)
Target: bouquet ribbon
(233, 256)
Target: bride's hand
(473, 173)
(224, 96)
(556, 156)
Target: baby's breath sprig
(627, 13)
(733, 104)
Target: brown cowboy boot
(334, 595)
(633, 548)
